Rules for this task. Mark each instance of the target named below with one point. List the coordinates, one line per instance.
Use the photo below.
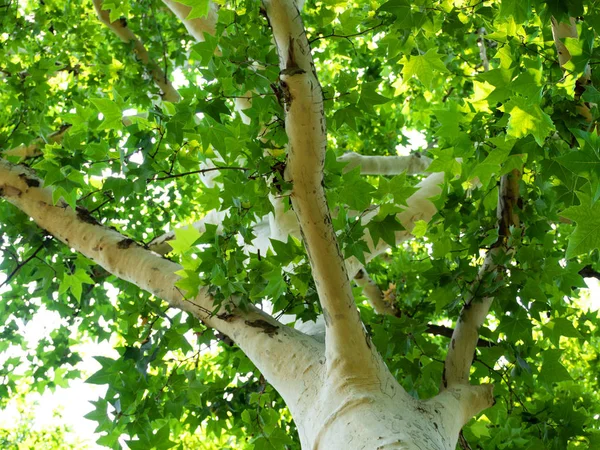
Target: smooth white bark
(462, 346)
(386, 165)
(199, 26)
(345, 340)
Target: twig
(345, 36)
(22, 263)
(184, 174)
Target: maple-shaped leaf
(111, 112)
(528, 118)
(199, 8)
(586, 236)
(490, 166)
(552, 370)
(369, 96)
(425, 67)
(584, 160)
(385, 229)
(184, 239)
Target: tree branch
(120, 28)
(374, 295)
(34, 149)
(266, 342)
(419, 207)
(347, 346)
(21, 264)
(382, 306)
(386, 165)
(199, 26)
(560, 31)
(465, 337)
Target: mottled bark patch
(85, 216)
(268, 329)
(125, 243)
(227, 317)
(30, 182)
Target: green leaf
(584, 160)
(111, 111)
(490, 166)
(479, 429)
(552, 370)
(586, 236)
(425, 67)
(528, 118)
(185, 238)
(199, 8)
(384, 229)
(369, 96)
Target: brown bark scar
(269, 329)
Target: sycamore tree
(225, 191)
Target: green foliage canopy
(386, 67)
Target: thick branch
(560, 31)
(120, 28)
(262, 338)
(373, 294)
(465, 337)
(386, 165)
(35, 147)
(199, 26)
(347, 347)
(419, 207)
(462, 402)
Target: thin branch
(441, 330)
(346, 36)
(374, 294)
(200, 171)
(482, 49)
(21, 264)
(121, 30)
